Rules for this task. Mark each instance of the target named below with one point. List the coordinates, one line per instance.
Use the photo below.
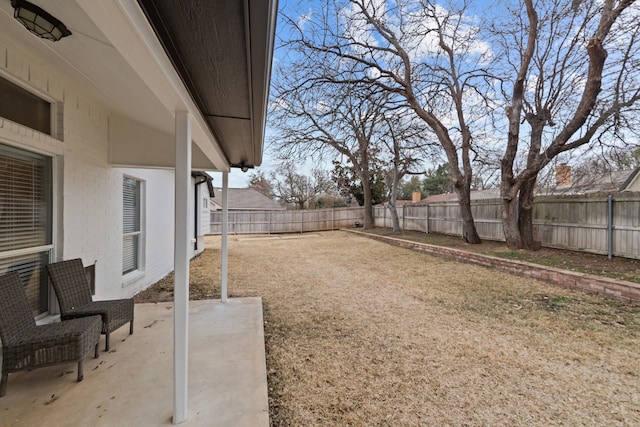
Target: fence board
(259, 222)
(572, 222)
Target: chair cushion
(115, 313)
(61, 342)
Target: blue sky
(239, 179)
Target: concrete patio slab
(133, 383)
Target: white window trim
(33, 144)
(56, 220)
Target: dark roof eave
(205, 177)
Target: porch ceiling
(144, 60)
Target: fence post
(235, 221)
(301, 221)
(403, 215)
(333, 213)
(269, 231)
(426, 215)
(609, 226)
(384, 217)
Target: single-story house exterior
(105, 135)
(244, 199)
(565, 184)
(570, 182)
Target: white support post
(225, 232)
(181, 266)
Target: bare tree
(259, 182)
(574, 68)
(314, 119)
(408, 144)
(299, 190)
(421, 52)
(568, 71)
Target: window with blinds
(26, 220)
(131, 229)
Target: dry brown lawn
(359, 333)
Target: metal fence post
(301, 221)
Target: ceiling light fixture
(39, 21)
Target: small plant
(613, 303)
(559, 300)
(555, 303)
(513, 255)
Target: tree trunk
(517, 217)
(510, 225)
(510, 209)
(368, 207)
(525, 215)
(394, 218)
(508, 186)
(394, 192)
(469, 232)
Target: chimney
(563, 175)
(416, 196)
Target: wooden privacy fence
(298, 221)
(602, 224)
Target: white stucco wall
(87, 190)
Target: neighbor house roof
(245, 199)
(398, 203)
(489, 193)
(612, 181)
(439, 198)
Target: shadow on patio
(132, 384)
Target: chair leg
(3, 383)
(106, 342)
(97, 351)
(80, 371)
(131, 328)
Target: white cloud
(305, 18)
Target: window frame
(48, 247)
(55, 111)
(139, 234)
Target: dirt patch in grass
(362, 333)
(598, 265)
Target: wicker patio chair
(26, 346)
(74, 295)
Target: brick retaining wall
(618, 289)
